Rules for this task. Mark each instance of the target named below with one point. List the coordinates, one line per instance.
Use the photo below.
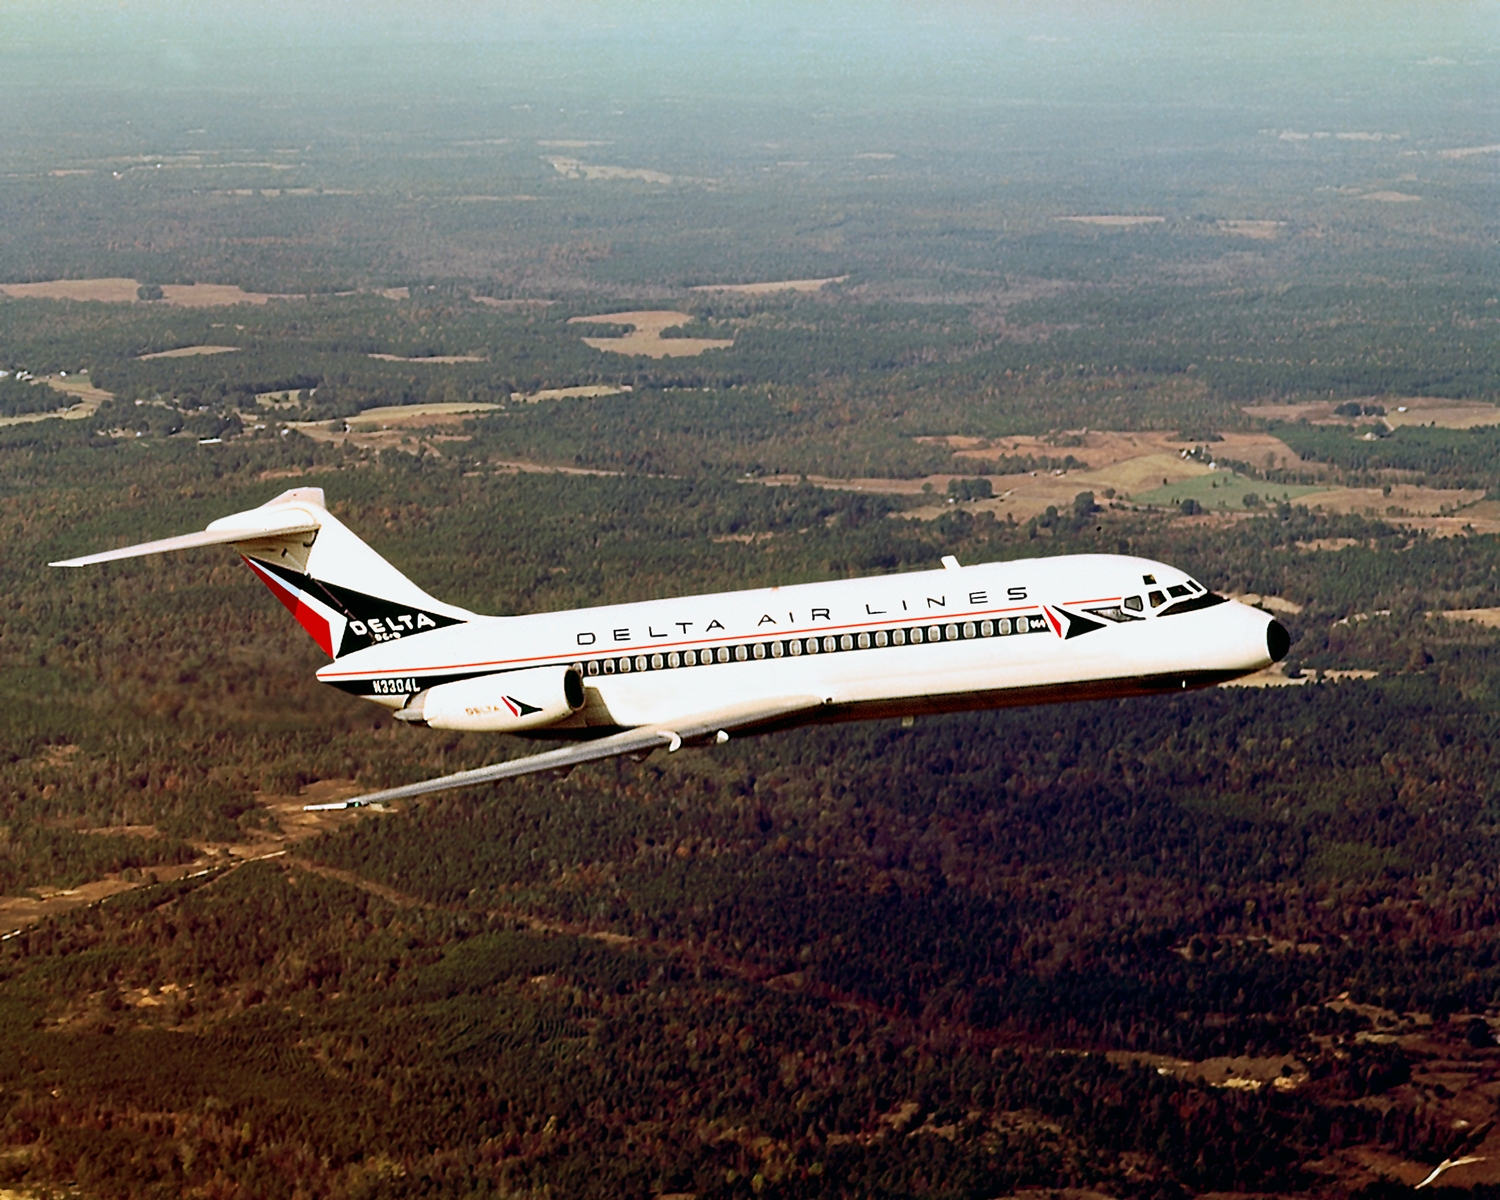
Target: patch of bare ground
(1399, 410)
(1391, 197)
(573, 168)
(1115, 220)
(1411, 506)
(292, 825)
(764, 289)
(1276, 604)
(645, 333)
(1488, 617)
(1273, 676)
(587, 391)
(532, 468)
(1283, 1072)
(431, 358)
(1445, 527)
(1263, 231)
(509, 305)
(410, 415)
(1329, 545)
(188, 352)
(115, 290)
(422, 441)
(88, 396)
(1470, 151)
(1120, 462)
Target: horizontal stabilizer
(271, 524)
(645, 739)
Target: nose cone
(1278, 641)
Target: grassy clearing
(1224, 490)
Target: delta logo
(1069, 625)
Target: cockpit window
(1178, 589)
(1202, 600)
(1148, 578)
(1157, 599)
(1133, 603)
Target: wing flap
(645, 738)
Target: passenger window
(776, 650)
(1133, 603)
(864, 641)
(898, 637)
(760, 649)
(881, 639)
(594, 667)
(1157, 599)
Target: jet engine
(505, 703)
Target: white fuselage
(1095, 625)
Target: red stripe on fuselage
(310, 620)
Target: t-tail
(344, 594)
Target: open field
(645, 336)
(189, 352)
(571, 393)
(1263, 231)
(1114, 220)
(1488, 617)
(401, 416)
(766, 289)
(1399, 410)
(1226, 490)
(510, 305)
(572, 168)
(89, 399)
(123, 291)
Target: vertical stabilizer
(345, 595)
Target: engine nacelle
(504, 703)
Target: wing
(641, 740)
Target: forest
(862, 960)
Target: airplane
(629, 679)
